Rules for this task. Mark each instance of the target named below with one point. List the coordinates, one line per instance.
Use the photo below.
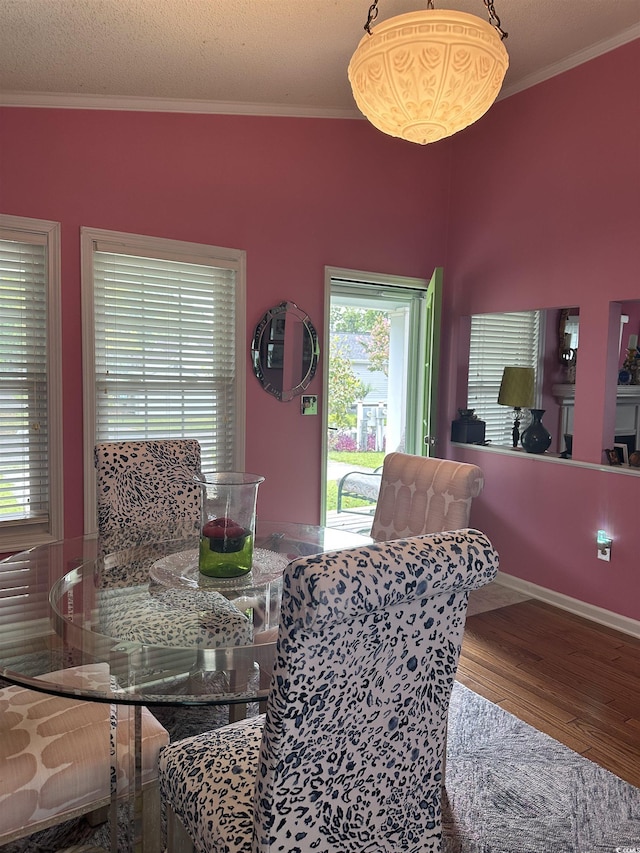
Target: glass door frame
(416, 366)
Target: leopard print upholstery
(54, 752)
(424, 495)
(350, 754)
(173, 617)
(147, 487)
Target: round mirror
(285, 351)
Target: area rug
(513, 789)
(509, 789)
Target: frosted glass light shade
(428, 74)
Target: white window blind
(165, 350)
(498, 341)
(29, 379)
(24, 479)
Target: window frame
(145, 246)
(20, 534)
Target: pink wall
(546, 213)
(535, 206)
(296, 194)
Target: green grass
(360, 459)
(332, 495)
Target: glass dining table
(168, 634)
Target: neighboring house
(352, 345)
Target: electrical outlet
(603, 541)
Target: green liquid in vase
(226, 557)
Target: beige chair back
(421, 495)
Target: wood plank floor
(574, 679)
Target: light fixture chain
(373, 14)
(494, 20)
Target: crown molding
(72, 101)
(572, 61)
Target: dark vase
(536, 438)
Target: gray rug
(513, 789)
(510, 789)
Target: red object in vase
(221, 528)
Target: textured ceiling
(270, 56)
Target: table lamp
(516, 390)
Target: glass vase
(228, 523)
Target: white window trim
(24, 534)
(173, 249)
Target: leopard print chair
(424, 495)
(146, 490)
(146, 487)
(349, 755)
(55, 756)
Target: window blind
(498, 341)
(165, 351)
(24, 431)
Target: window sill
(548, 457)
(22, 540)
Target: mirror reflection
(628, 356)
(539, 348)
(568, 337)
(285, 351)
(626, 441)
(545, 343)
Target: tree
(346, 389)
(344, 318)
(376, 345)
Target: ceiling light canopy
(426, 75)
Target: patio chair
(359, 485)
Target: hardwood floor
(571, 678)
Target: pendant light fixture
(426, 75)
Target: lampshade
(427, 74)
(517, 387)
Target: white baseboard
(573, 605)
